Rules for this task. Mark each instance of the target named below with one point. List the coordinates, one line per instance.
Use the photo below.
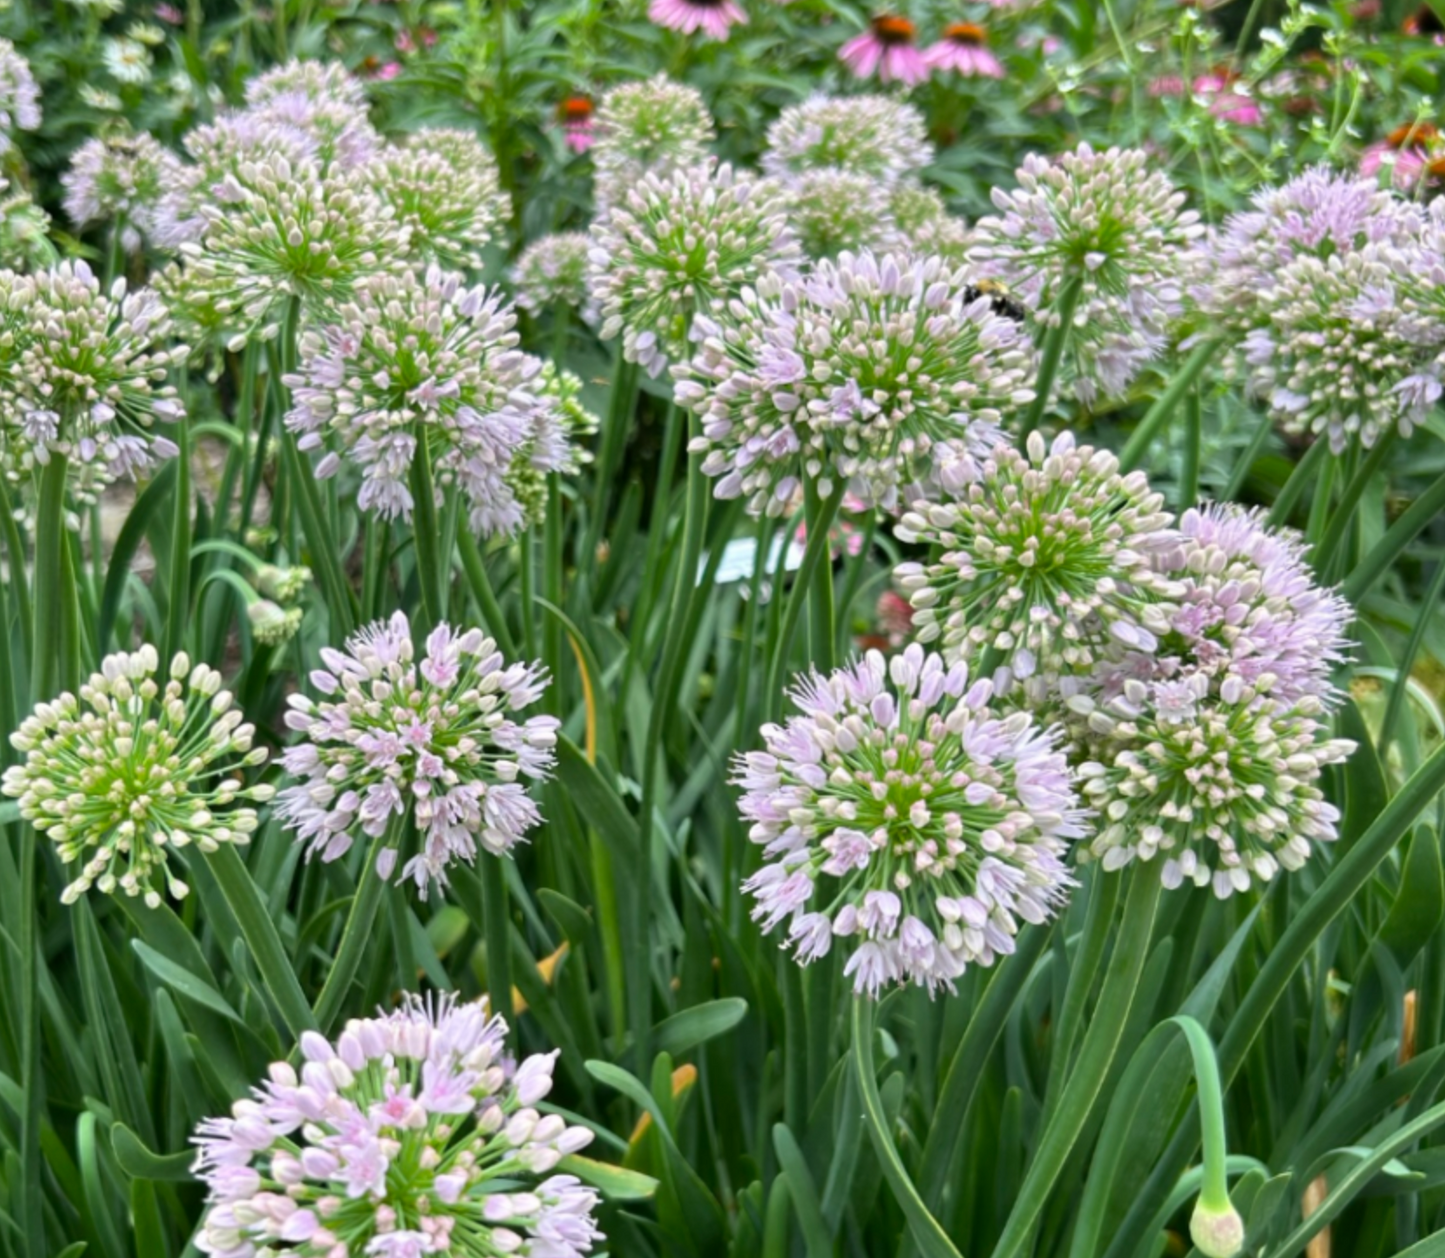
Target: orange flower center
(575, 109)
(1412, 134)
(893, 30)
(969, 34)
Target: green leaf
(137, 1160)
(182, 981)
(804, 1193)
(575, 921)
(122, 555)
(616, 1183)
(691, 1027)
(596, 800)
(1420, 902)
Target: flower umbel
(655, 126)
(396, 738)
(868, 135)
(134, 768)
(898, 810)
(412, 1134)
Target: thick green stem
(1328, 554)
(49, 586)
(476, 573)
(356, 935)
(492, 874)
(822, 633)
(426, 547)
(1053, 352)
(1096, 1058)
(1383, 553)
(1164, 405)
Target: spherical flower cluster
(397, 741)
(19, 95)
(676, 244)
(923, 225)
(322, 100)
(832, 210)
(900, 811)
(133, 769)
(282, 231)
(24, 229)
(655, 126)
(714, 18)
(412, 1134)
(877, 136)
(552, 271)
(83, 374)
(1208, 750)
(882, 371)
(445, 189)
(220, 153)
(120, 178)
(1046, 557)
(420, 367)
(1114, 226)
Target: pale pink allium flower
(712, 17)
(900, 814)
(394, 737)
(886, 48)
(964, 50)
(412, 1134)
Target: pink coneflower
(712, 17)
(964, 49)
(575, 116)
(1406, 151)
(886, 47)
(169, 13)
(1226, 101)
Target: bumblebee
(998, 299)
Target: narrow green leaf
(686, 1030)
(1419, 904)
(804, 1193)
(139, 1162)
(615, 1183)
(182, 981)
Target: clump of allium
(219, 152)
(675, 244)
(279, 231)
(833, 210)
(432, 742)
(1112, 225)
(552, 271)
(444, 187)
(881, 371)
(1047, 557)
(322, 100)
(1221, 781)
(413, 1134)
(133, 769)
(876, 136)
(83, 374)
(19, 95)
(655, 126)
(421, 367)
(119, 178)
(898, 809)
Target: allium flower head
(322, 100)
(19, 95)
(881, 371)
(552, 271)
(120, 178)
(412, 1134)
(24, 229)
(1221, 781)
(898, 811)
(1046, 557)
(556, 444)
(83, 374)
(1114, 225)
(423, 367)
(877, 136)
(833, 210)
(432, 740)
(714, 18)
(218, 152)
(133, 768)
(886, 48)
(444, 186)
(964, 50)
(280, 231)
(674, 245)
(924, 225)
(655, 126)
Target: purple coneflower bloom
(712, 17)
(887, 48)
(964, 49)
